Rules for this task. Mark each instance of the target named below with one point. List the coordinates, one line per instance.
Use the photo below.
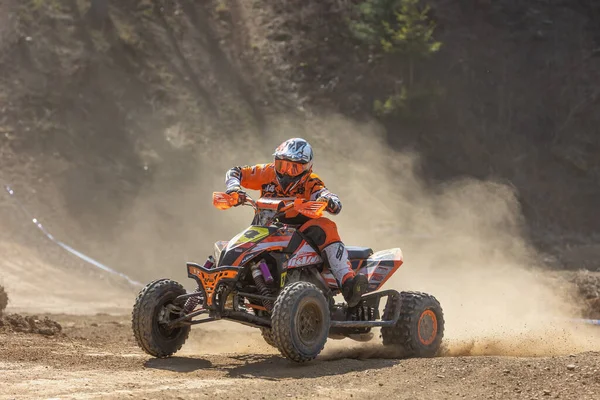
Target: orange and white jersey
(263, 177)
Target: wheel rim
(427, 327)
(309, 322)
(161, 327)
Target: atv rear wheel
(266, 332)
(3, 299)
(268, 336)
(420, 328)
(300, 321)
(153, 307)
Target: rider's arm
(249, 177)
(319, 192)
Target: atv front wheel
(153, 309)
(300, 321)
(420, 328)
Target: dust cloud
(463, 241)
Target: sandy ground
(37, 285)
(96, 357)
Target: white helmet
(293, 161)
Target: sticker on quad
(377, 267)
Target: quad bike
(271, 277)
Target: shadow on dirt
(178, 364)
(275, 367)
(269, 367)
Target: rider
(290, 175)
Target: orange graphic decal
(210, 280)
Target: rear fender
(380, 266)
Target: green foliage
(399, 26)
(412, 34)
(128, 34)
(394, 104)
(369, 17)
(403, 28)
(31, 11)
(418, 102)
(221, 6)
(37, 5)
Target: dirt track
(96, 357)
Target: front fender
(209, 279)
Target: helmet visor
(290, 168)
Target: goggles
(290, 168)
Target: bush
(402, 28)
(398, 26)
(414, 104)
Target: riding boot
(353, 285)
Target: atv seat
(358, 253)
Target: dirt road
(96, 357)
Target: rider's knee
(322, 231)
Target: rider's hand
(334, 206)
(241, 194)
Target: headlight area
(218, 249)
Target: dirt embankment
(10, 323)
(29, 324)
(105, 129)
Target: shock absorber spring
(261, 285)
(193, 302)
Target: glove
(334, 206)
(241, 194)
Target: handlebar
(311, 209)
